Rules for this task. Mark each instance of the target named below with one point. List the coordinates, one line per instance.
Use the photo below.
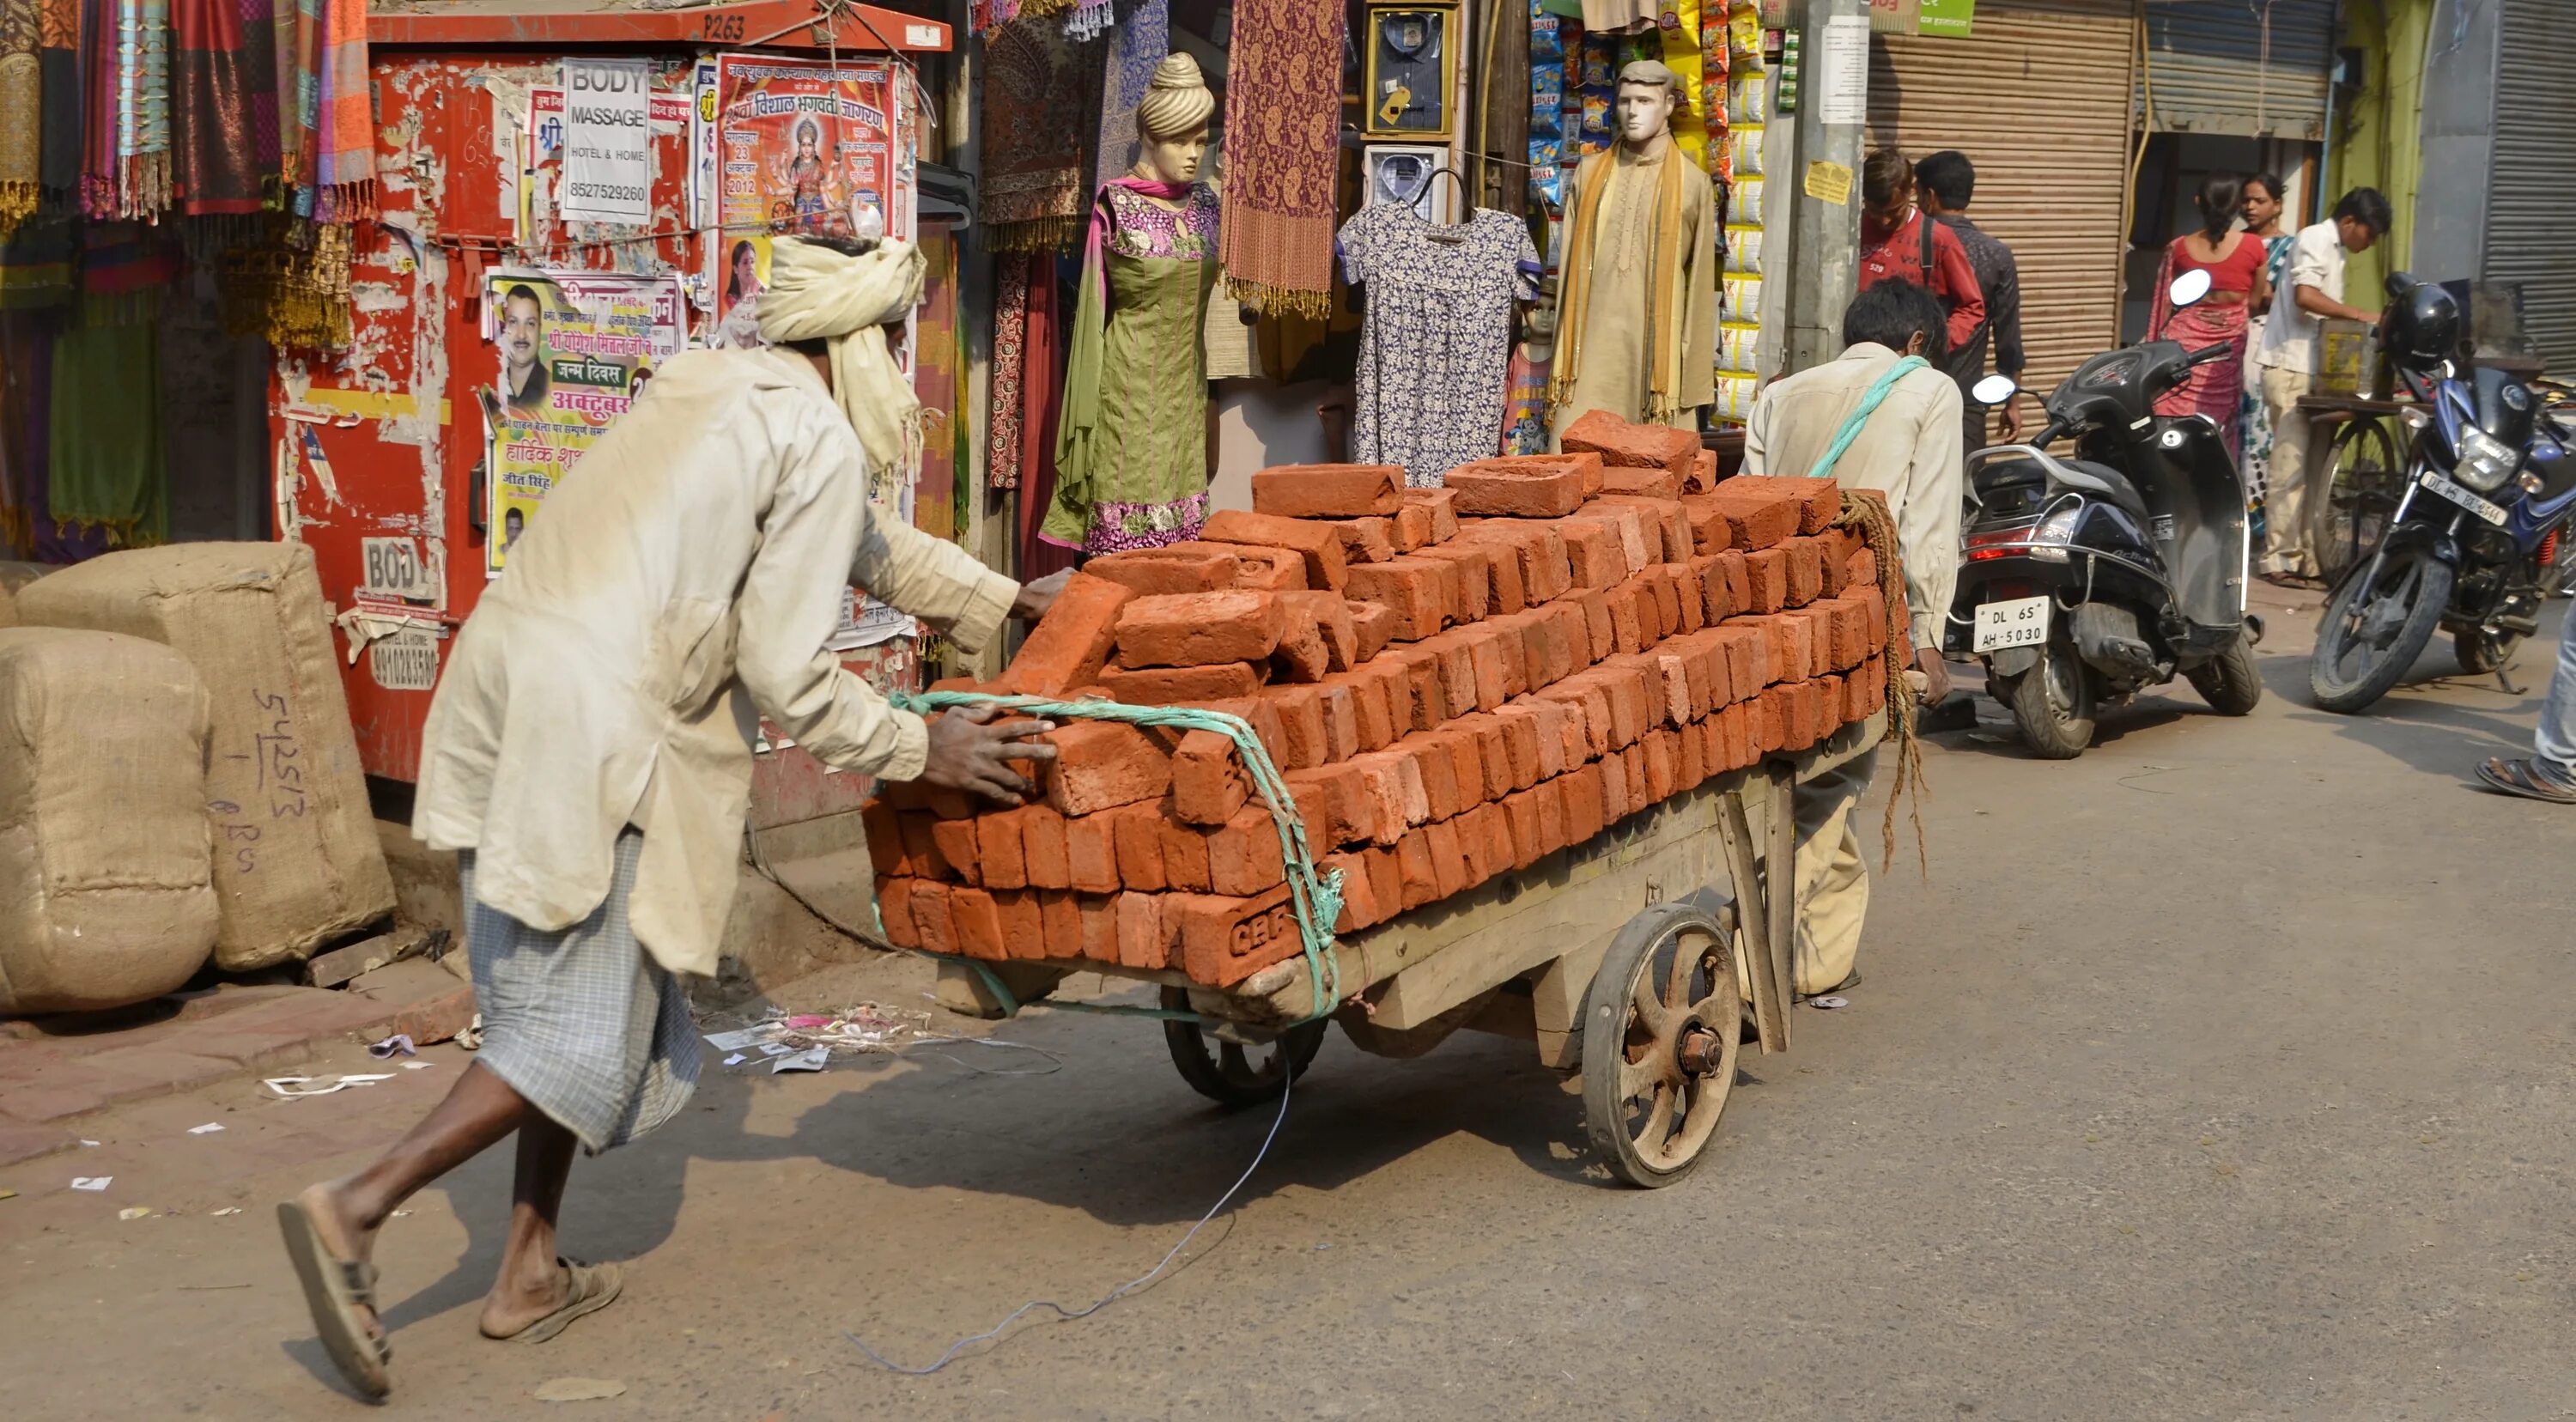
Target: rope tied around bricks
(1315, 895)
(1865, 512)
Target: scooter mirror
(1993, 390)
(2188, 288)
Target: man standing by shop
(2291, 355)
(589, 754)
(1948, 182)
(1899, 242)
(1905, 446)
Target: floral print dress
(1436, 341)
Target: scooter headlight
(2485, 461)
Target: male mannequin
(1637, 298)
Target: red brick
(1819, 501)
(1100, 765)
(1529, 486)
(1484, 589)
(1767, 580)
(1806, 569)
(1371, 715)
(1820, 638)
(1544, 718)
(1566, 637)
(1441, 505)
(920, 843)
(1703, 475)
(1582, 694)
(1328, 490)
(1386, 879)
(1520, 747)
(1425, 703)
(1367, 540)
(1583, 798)
(1174, 568)
(1493, 753)
(1667, 593)
(1674, 682)
(1091, 854)
(1421, 880)
(1180, 686)
(1143, 941)
(1435, 771)
(1099, 918)
(1708, 526)
(978, 922)
(1646, 483)
(884, 828)
(1595, 557)
(1208, 784)
(931, 919)
(1485, 838)
(1266, 569)
(1691, 768)
(1243, 856)
(1414, 589)
(1341, 721)
(1069, 644)
(1640, 793)
(1392, 794)
(1861, 569)
(1874, 612)
(1739, 584)
(1635, 446)
(1626, 634)
(1185, 857)
(1664, 522)
(1692, 592)
(1042, 848)
(1755, 519)
(894, 910)
(1635, 548)
(1199, 629)
(1331, 801)
(1834, 563)
(1023, 925)
(1319, 545)
(1524, 814)
(1457, 670)
(1448, 856)
(1330, 614)
(1372, 627)
(1601, 630)
(1411, 527)
(1062, 918)
(1359, 896)
(1136, 838)
(1225, 939)
(1663, 763)
(1301, 655)
(999, 858)
(956, 841)
(1614, 789)
(1301, 726)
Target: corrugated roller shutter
(2248, 67)
(2038, 98)
(2531, 202)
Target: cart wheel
(1660, 1026)
(1223, 1072)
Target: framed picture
(1409, 173)
(1411, 70)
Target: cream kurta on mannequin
(1606, 351)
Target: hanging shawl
(1283, 155)
(142, 69)
(1032, 188)
(58, 59)
(290, 288)
(285, 26)
(97, 195)
(335, 155)
(22, 111)
(1010, 359)
(1664, 275)
(1088, 20)
(225, 77)
(1135, 47)
(105, 455)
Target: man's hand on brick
(1035, 598)
(971, 751)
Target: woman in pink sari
(2237, 283)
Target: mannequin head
(1649, 93)
(1172, 122)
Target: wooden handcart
(1630, 959)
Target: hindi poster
(571, 351)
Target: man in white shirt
(589, 754)
(2292, 354)
(1908, 449)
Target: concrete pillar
(1824, 240)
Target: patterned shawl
(1033, 140)
(142, 68)
(1127, 72)
(1282, 155)
(225, 113)
(1010, 359)
(59, 24)
(335, 153)
(22, 111)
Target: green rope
(1314, 895)
(1869, 403)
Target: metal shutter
(2531, 205)
(2250, 67)
(2038, 98)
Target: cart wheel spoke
(1651, 1012)
(1660, 1043)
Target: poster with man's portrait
(571, 351)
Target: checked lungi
(581, 1022)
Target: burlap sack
(14, 576)
(296, 858)
(105, 894)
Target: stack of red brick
(1456, 682)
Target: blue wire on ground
(1286, 1083)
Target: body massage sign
(607, 146)
(572, 351)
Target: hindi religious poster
(571, 351)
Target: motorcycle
(2451, 557)
(2086, 580)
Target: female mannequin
(1131, 453)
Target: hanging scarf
(335, 154)
(106, 471)
(1042, 409)
(290, 287)
(58, 59)
(1010, 359)
(285, 26)
(36, 264)
(217, 92)
(22, 111)
(1077, 450)
(1663, 281)
(1135, 47)
(1283, 155)
(1032, 188)
(815, 293)
(142, 68)
(98, 39)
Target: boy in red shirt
(1898, 240)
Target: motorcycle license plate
(2491, 512)
(2022, 622)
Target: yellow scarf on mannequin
(1663, 280)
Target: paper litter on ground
(811, 1059)
(866, 1027)
(294, 1086)
(418, 1066)
(399, 1044)
(134, 1212)
(735, 1060)
(207, 1129)
(91, 1182)
(229, 1210)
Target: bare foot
(522, 1296)
(342, 1235)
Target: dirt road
(2226, 1072)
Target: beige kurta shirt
(679, 583)
(1909, 451)
(1613, 374)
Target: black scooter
(2083, 581)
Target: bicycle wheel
(2364, 479)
